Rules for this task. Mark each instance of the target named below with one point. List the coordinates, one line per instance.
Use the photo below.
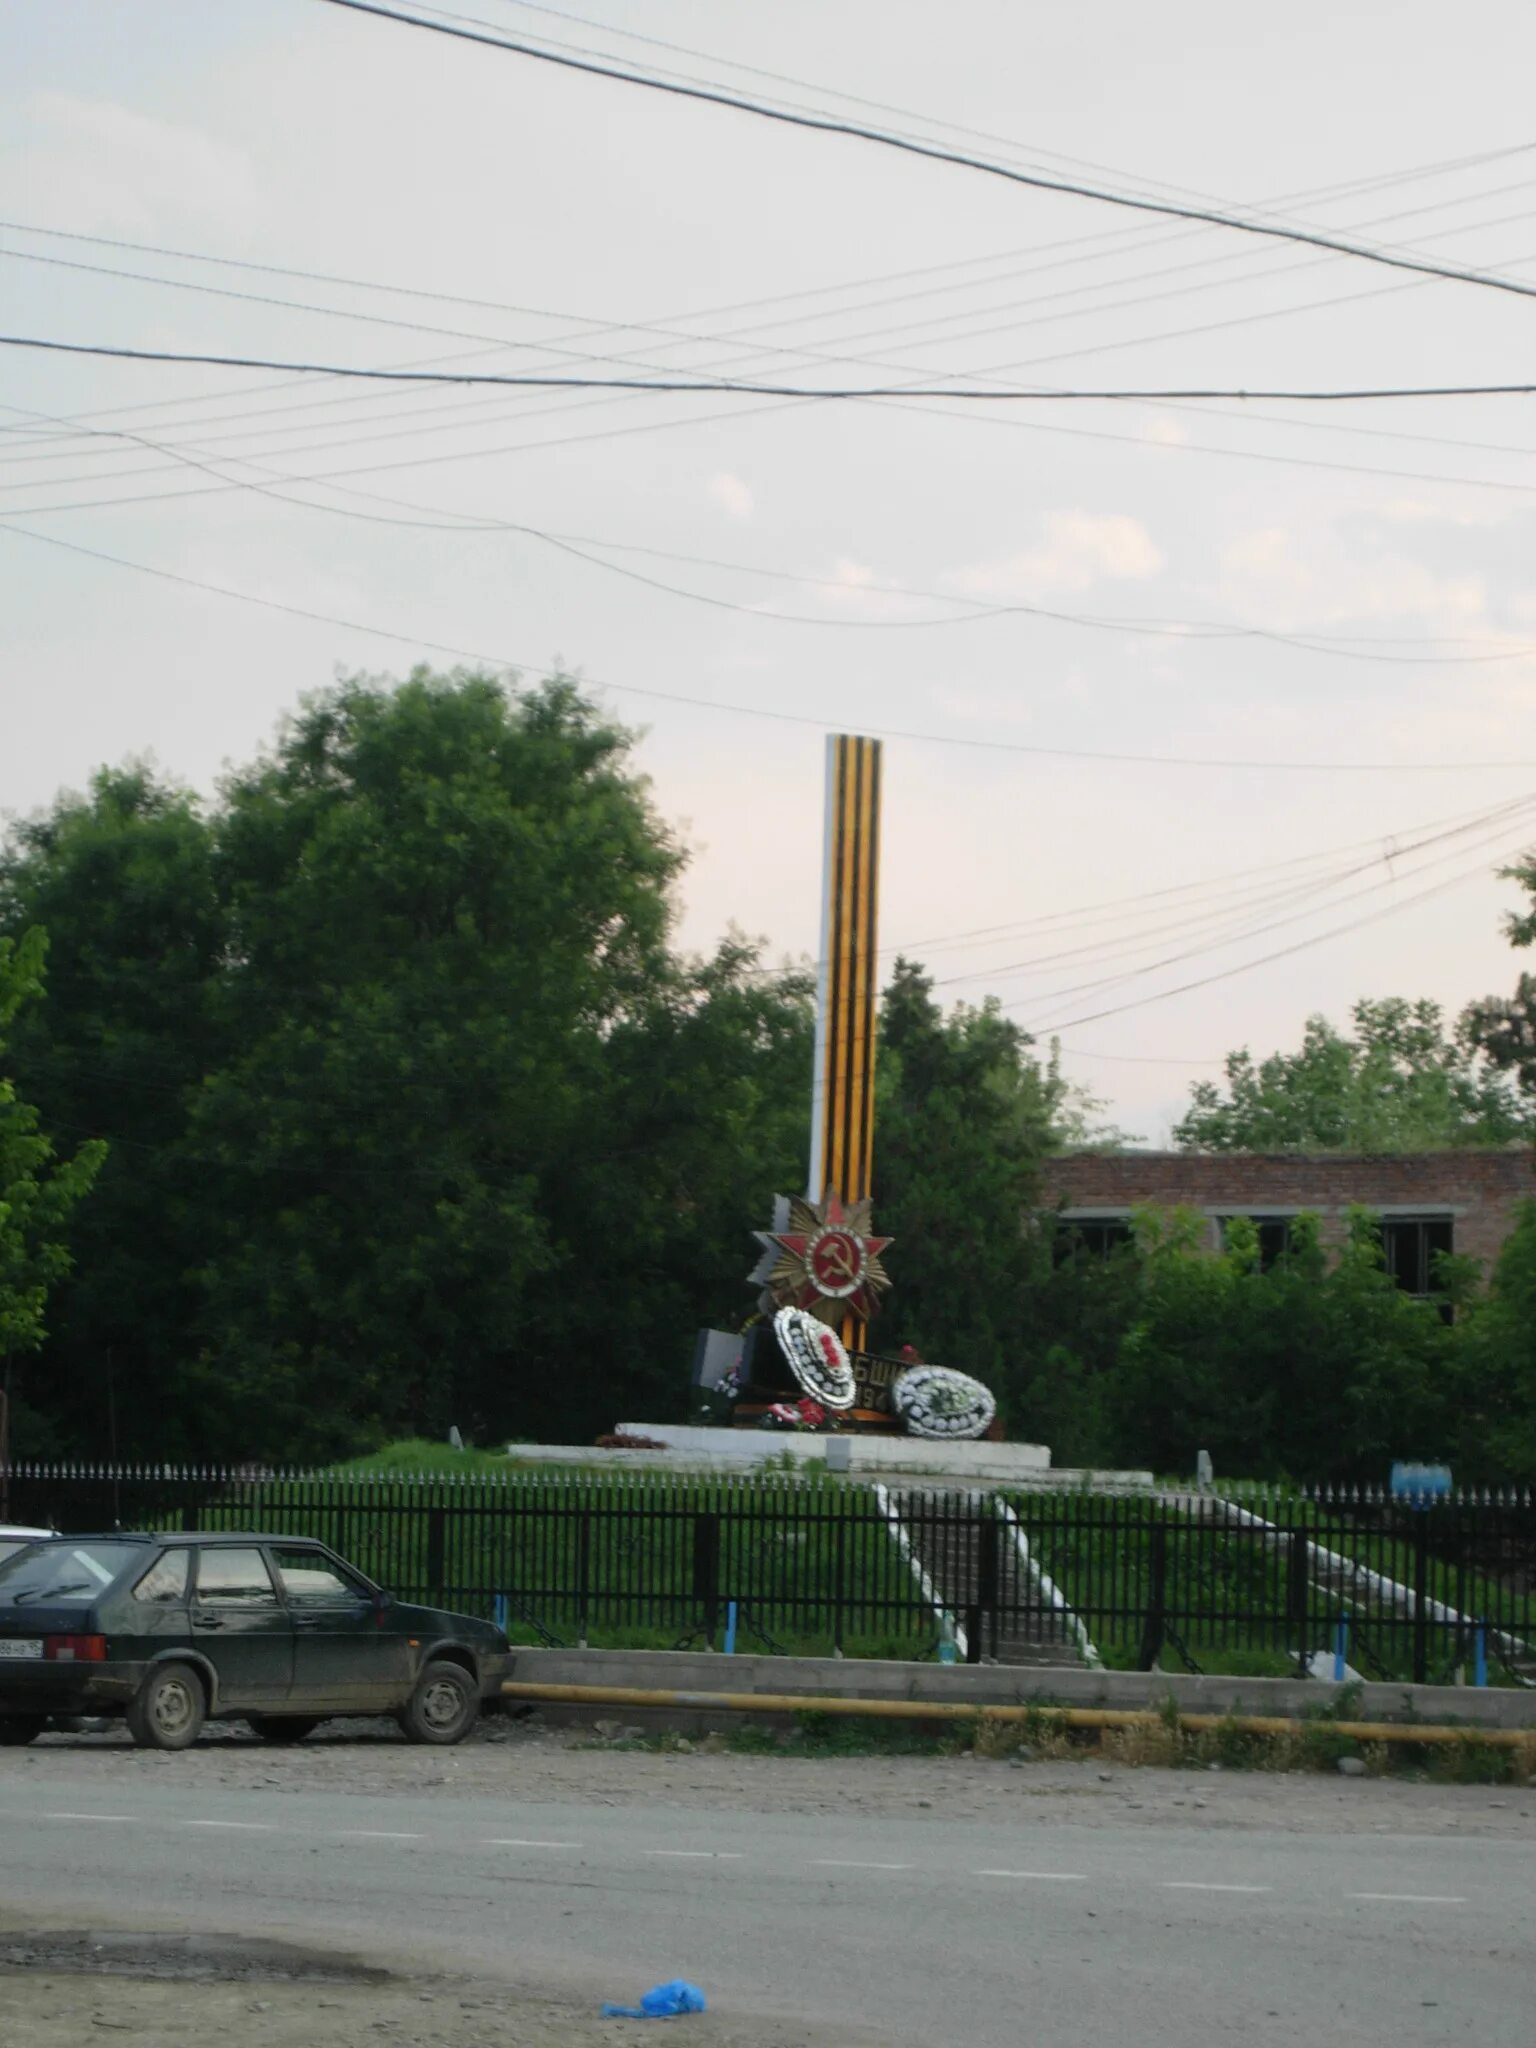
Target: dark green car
(169, 1631)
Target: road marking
(264, 1827)
(1188, 1885)
(1042, 1876)
(1410, 1898)
(86, 1816)
(706, 1855)
(516, 1842)
(376, 1835)
(842, 1863)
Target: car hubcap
(173, 1708)
(441, 1704)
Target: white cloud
(1080, 549)
(1318, 578)
(733, 494)
(102, 166)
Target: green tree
(964, 1118)
(1503, 1028)
(491, 1137)
(1396, 1084)
(38, 1189)
(122, 880)
(1495, 1369)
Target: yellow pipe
(949, 1710)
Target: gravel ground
(526, 1760)
(53, 2009)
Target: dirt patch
(526, 1761)
(178, 1958)
(154, 1988)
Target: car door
(346, 1659)
(242, 1627)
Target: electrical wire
(1239, 930)
(1207, 216)
(972, 611)
(1283, 953)
(672, 386)
(1091, 248)
(1238, 910)
(505, 662)
(672, 337)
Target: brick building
(1428, 1202)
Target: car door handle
(310, 1621)
(208, 1620)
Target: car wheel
(444, 1706)
(282, 1727)
(15, 1729)
(168, 1710)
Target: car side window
(165, 1583)
(311, 1579)
(232, 1577)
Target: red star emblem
(828, 1261)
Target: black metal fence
(1244, 1580)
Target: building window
(1274, 1237)
(1093, 1237)
(1410, 1244)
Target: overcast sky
(585, 216)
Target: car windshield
(62, 1571)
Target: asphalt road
(925, 1929)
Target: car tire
(282, 1727)
(444, 1706)
(19, 1729)
(169, 1708)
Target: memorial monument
(805, 1360)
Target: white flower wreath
(816, 1357)
(934, 1401)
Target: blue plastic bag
(665, 2002)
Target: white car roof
(17, 1529)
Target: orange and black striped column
(843, 1096)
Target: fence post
(706, 1570)
(1155, 1620)
(1298, 1584)
(436, 1532)
(1421, 1596)
(839, 1580)
(987, 1576)
(583, 1574)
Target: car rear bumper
(50, 1688)
(493, 1670)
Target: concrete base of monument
(691, 1447)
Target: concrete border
(982, 1685)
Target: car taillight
(75, 1649)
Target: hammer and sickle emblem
(835, 1256)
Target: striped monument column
(843, 1091)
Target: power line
(672, 337)
(1206, 216)
(1283, 953)
(973, 610)
(1520, 808)
(1083, 248)
(1240, 908)
(672, 386)
(506, 662)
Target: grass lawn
(622, 1560)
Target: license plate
(21, 1646)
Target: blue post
(730, 1628)
(1340, 1648)
(500, 1612)
(1480, 1657)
